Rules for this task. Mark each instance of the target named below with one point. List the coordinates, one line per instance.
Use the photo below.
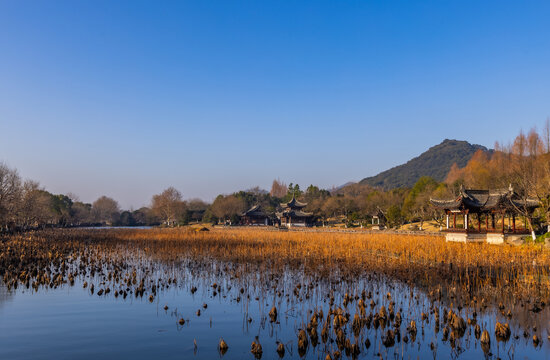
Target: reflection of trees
(5, 295)
(522, 317)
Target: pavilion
(378, 220)
(292, 214)
(255, 216)
(485, 215)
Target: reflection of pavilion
(495, 211)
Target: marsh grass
(377, 276)
(426, 261)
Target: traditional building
(485, 215)
(378, 220)
(255, 216)
(293, 215)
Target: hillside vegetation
(435, 163)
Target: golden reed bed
(426, 261)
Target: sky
(126, 98)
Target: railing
(490, 231)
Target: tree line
(25, 205)
(524, 164)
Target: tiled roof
(486, 200)
(294, 204)
(255, 210)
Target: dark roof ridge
(294, 203)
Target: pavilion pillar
(487, 222)
(514, 222)
(447, 221)
(494, 226)
(503, 217)
(454, 220)
(466, 221)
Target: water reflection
(5, 295)
(183, 309)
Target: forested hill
(436, 163)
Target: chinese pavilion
(378, 220)
(255, 216)
(292, 214)
(484, 214)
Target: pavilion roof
(486, 200)
(378, 213)
(255, 210)
(293, 204)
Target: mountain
(336, 188)
(435, 162)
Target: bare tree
(10, 194)
(168, 206)
(278, 189)
(82, 213)
(546, 136)
(332, 207)
(526, 172)
(105, 210)
(228, 208)
(35, 206)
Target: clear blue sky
(128, 98)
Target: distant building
(484, 215)
(378, 220)
(255, 216)
(293, 215)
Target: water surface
(70, 322)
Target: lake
(67, 320)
